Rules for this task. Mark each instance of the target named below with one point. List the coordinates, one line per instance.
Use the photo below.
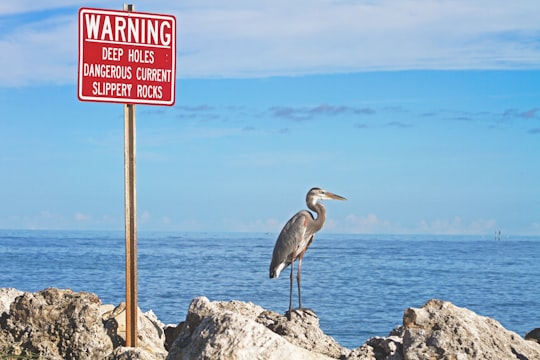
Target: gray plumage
(297, 235)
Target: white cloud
(41, 52)
(145, 217)
(457, 225)
(259, 225)
(81, 217)
(369, 224)
(242, 39)
(281, 38)
(373, 224)
(534, 229)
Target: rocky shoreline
(63, 324)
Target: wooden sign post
(130, 201)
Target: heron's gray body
(294, 239)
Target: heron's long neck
(321, 215)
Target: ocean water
(358, 285)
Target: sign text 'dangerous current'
(127, 57)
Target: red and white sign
(127, 57)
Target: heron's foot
(288, 315)
(305, 312)
(302, 312)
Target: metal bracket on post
(130, 219)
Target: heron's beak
(334, 196)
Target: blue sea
(358, 285)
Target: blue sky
(424, 114)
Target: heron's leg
(289, 314)
(298, 280)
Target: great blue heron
(296, 236)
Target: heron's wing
(291, 236)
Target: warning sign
(127, 57)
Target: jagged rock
(7, 296)
(130, 353)
(381, 348)
(171, 333)
(438, 330)
(533, 335)
(151, 335)
(57, 324)
(441, 330)
(62, 324)
(236, 330)
(304, 331)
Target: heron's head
(316, 194)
